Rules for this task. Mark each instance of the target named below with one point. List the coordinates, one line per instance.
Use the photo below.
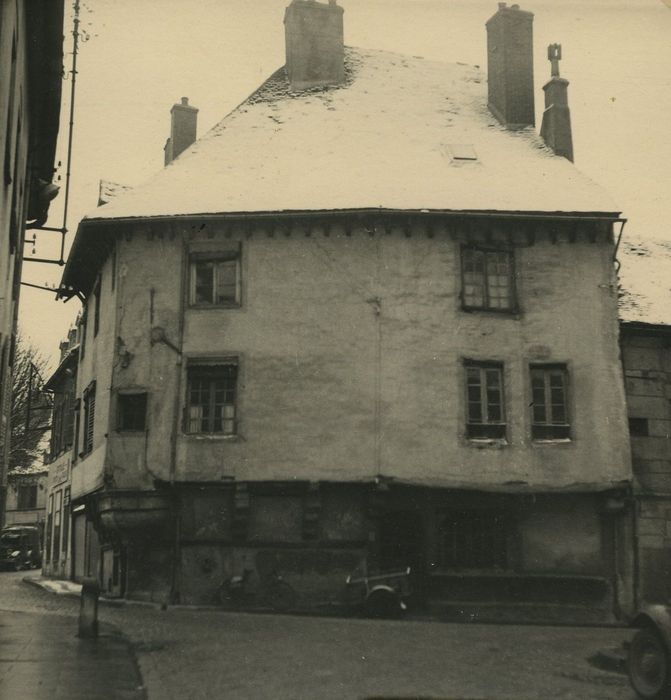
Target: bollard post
(88, 609)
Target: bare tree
(31, 406)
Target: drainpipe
(174, 588)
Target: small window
(549, 403)
(27, 496)
(638, 427)
(474, 539)
(487, 279)
(215, 280)
(485, 402)
(132, 412)
(89, 417)
(211, 399)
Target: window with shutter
(89, 417)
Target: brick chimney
(510, 66)
(556, 125)
(182, 129)
(314, 44)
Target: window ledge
(488, 442)
(204, 437)
(555, 441)
(203, 307)
(510, 313)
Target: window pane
(211, 397)
(550, 415)
(474, 277)
(227, 282)
(204, 284)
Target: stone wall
(646, 354)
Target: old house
(31, 57)
(645, 311)
(371, 314)
(59, 540)
(26, 496)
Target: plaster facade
(350, 343)
(29, 113)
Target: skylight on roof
(462, 151)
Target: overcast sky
(143, 55)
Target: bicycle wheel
(281, 596)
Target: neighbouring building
(26, 496)
(365, 317)
(60, 540)
(646, 355)
(31, 66)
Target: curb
(326, 613)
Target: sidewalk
(41, 658)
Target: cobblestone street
(211, 654)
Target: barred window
(485, 401)
(211, 400)
(474, 539)
(549, 402)
(487, 279)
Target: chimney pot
(510, 66)
(185, 100)
(315, 51)
(556, 124)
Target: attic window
(462, 151)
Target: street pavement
(209, 654)
(42, 659)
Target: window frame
(512, 307)
(123, 394)
(550, 430)
(202, 257)
(490, 429)
(21, 498)
(207, 369)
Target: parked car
(649, 659)
(20, 547)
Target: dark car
(649, 659)
(20, 548)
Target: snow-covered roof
(108, 190)
(645, 282)
(389, 138)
